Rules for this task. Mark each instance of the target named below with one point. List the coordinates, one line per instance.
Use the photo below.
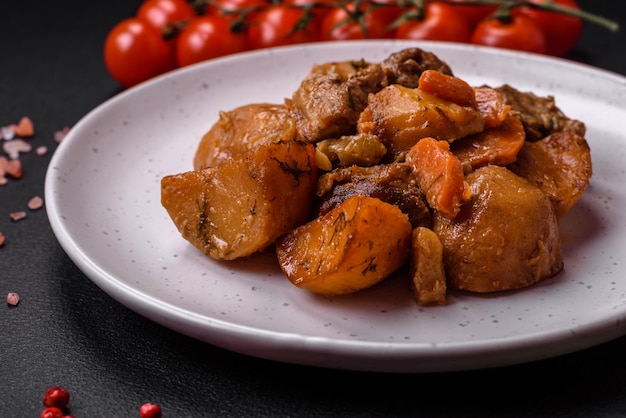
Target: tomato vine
(191, 31)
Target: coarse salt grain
(3, 179)
(1, 239)
(35, 203)
(11, 167)
(16, 216)
(8, 132)
(60, 135)
(13, 298)
(25, 127)
(14, 147)
(42, 150)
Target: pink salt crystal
(35, 203)
(13, 168)
(3, 164)
(25, 127)
(16, 216)
(60, 135)
(42, 150)
(8, 132)
(15, 146)
(1, 239)
(13, 298)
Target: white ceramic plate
(103, 200)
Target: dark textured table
(68, 332)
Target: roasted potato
(241, 129)
(241, 206)
(505, 237)
(354, 246)
(401, 116)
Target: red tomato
(371, 23)
(208, 37)
(521, 33)
(160, 13)
(276, 26)
(317, 10)
(387, 12)
(440, 22)
(562, 31)
(134, 51)
(473, 13)
(224, 7)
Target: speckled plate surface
(103, 201)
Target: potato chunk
(354, 246)
(505, 237)
(401, 116)
(428, 279)
(242, 206)
(240, 130)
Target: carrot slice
(440, 175)
(448, 88)
(491, 106)
(498, 146)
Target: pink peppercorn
(56, 397)
(150, 410)
(51, 412)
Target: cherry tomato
(208, 37)
(228, 7)
(473, 13)
(276, 26)
(160, 13)
(317, 9)
(134, 51)
(387, 12)
(340, 24)
(562, 31)
(520, 33)
(440, 22)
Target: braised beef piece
(391, 183)
(331, 97)
(539, 115)
(406, 66)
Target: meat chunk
(428, 280)
(406, 66)
(241, 129)
(560, 165)
(539, 115)
(506, 237)
(329, 100)
(391, 183)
